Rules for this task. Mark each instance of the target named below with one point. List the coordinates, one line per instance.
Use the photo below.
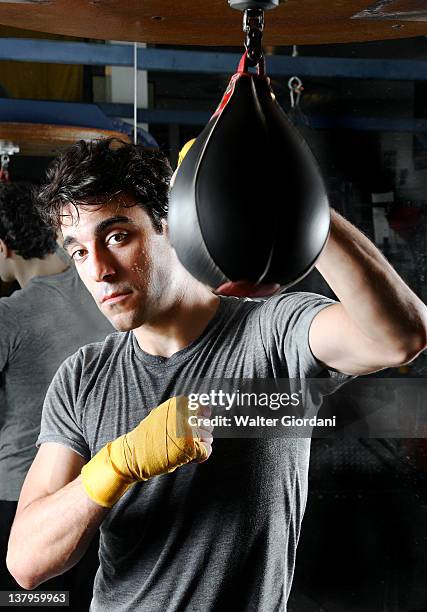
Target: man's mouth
(113, 298)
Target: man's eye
(116, 238)
(79, 254)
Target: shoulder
(20, 304)
(284, 306)
(9, 309)
(236, 311)
(5, 304)
(85, 368)
(94, 353)
(288, 316)
(293, 299)
(291, 304)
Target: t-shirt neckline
(187, 351)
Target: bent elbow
(409, 350)
(26, 579)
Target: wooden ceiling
(213, 22)
(50, 140)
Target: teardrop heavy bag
(248, 201)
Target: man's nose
(100, 266)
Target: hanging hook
(7, 149)
(295, 89)
(4, 168)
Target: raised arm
(380, 322)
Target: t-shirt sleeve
(61, 418)
(285, 325)
(9, 333)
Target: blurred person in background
(41, 324)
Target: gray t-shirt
(40, 326)
(216, 536)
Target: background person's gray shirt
(40, 326)
(221, 535)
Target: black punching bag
(248, 202)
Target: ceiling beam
(205, 62)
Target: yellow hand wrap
(162, 442)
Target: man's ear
(4, 250)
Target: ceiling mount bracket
(243, 5)
(253, 25)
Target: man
(35, 338)
(209, 535)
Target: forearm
(51, 534)
(374, 296)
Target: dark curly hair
(21, 227)
(95, 172)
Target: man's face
(121, 259)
